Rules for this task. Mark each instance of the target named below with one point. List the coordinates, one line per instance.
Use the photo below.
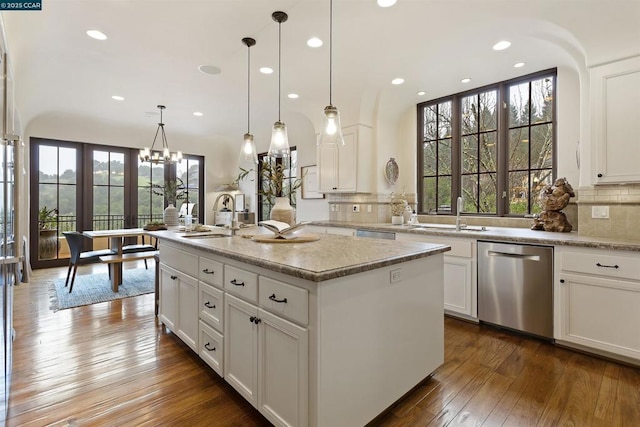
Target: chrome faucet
(234, 220)
(459, 226)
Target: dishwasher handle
(510, 255)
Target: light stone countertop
(500, 234)
(328, 258)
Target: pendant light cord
(248, 88)
(279, 64)
(330, 50)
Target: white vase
(397, 219)
(170, 215)
(283, 211)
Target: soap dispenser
(414, 218)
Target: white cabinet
(460, 273)
(615, 109)
(178, 297)
(348, 168)
(597, 296)
(266, 362)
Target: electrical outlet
(396, 275)
(600, 212)
(369, 209)
(356, 208)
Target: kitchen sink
(205, 235)
(449, 227)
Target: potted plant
(48, 233)
(172, 191)
(277, 190)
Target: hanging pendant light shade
(150, 155)
(248, 155)
(279, 141)
(331, 132)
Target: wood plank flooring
(113, 364)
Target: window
(497, 159)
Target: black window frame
(502, 191)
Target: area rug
(94, 288)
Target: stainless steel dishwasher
(515, 284)
(376, 234)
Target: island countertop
(328, 258)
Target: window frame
(502, 191)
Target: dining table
(116, 238)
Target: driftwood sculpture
(554, 198)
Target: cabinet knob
(252, 319)
(208, 348)
(257, 320)
(561, 280)
(599, 175)
(209, 305)
(174, 277)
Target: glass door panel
(108, 190)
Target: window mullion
(456, 152)
(503, 150)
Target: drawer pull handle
(174, 277)
(209, 305)
(274, 299)
(607, 266)
(207, 271)
(235, 282)
(561, 280)
(210, 349)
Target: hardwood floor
(114, 364)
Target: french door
(78, 186)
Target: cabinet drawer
(210, 271)
(459, 247)
(211, 303)
(241, 282)
(211, 348)
(611, 265)
(284, 300)
(180, 260)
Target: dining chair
(78, 256)
(140, 247)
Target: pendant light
(150, 155)
(248, 154)
(331, 132)
(279, 141)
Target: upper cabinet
(347, 169)
(615, 114)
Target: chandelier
(150, 155)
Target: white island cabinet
(325, 333)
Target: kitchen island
(324, 333)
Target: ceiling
(154, 49)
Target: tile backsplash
(623, 204)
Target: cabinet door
(327, 168)
(241, 347)
(283, 353)
(187, 327)
(168, 310)
(347, 171)
(457, 285)
(615, 89)
(600, 313)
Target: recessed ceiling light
(501, 45)
(465, 80)
(198, 114)
(422, 93)
(397, 81)
(117, 98)
(293, 96)
(266, 70)
(314, 42)
(95, 34)
(518, 64)
(386, 3)
(209, 69)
